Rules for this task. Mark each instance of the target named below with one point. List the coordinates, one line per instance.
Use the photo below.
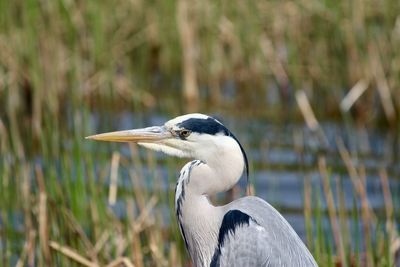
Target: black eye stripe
(204, 126)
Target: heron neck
(198, 219)
(221, 168)
(200, 223)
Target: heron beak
(146, 135)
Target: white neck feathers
(198, 219)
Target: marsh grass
(63, 53)
(65, 64)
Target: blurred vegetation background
(70, 68)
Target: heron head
(190, 136)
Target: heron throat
(198, 219)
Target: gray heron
(245, 232)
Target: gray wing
(241, 242)
(253, 233)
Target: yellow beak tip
(90, 137)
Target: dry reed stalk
(357, 179)
(153, 237)
(173, 256)
(29, 228)
(22, 257)
(77, 228)
(144, 218)
(32, 248)
(387, 195)
(70, 253)
(112, 196)
(154, 245)
(366, 212)
(29, 249)
(332, 210)
(121, 243)
(189, 53)
(135, 237)
(124, 261)
(105, 236)
(343, 218)
(382, 83)
(390, 225)
(353, 95)
(26, 194)
(43, 216)
(137, 250)
(15, 136)
(306, 110)
(135, 174)
(97, 231)
(138, 225)
(362, 174)
(309, 117)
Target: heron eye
(184, 133)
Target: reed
(66, 64)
